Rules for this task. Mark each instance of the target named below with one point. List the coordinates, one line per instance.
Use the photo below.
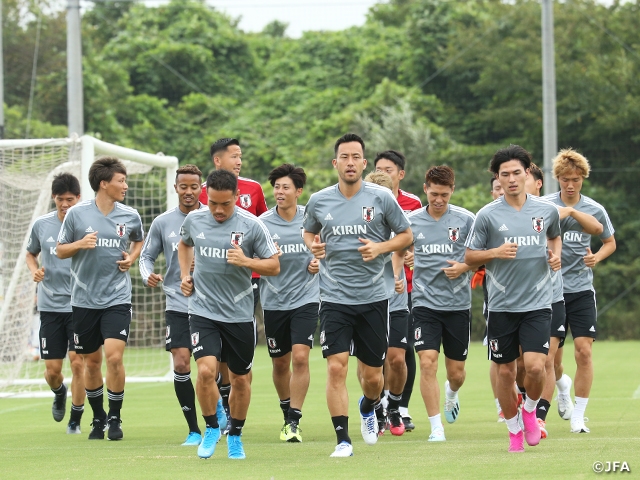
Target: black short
(364, 328)
(508, 331)
(255, 282)
(582, 317)
(558, 320)
(92, 326)
(398, 321)
(178, 333)
(452, 329)
(210, 338)
(56, 335)
(290, 327)
(410, 338)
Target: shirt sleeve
(309, 221)
(33, 245)
(479, 235)
(469, 225)
(185, 231)
(204, 198)
(553, 230)
(263, 246)
(607, 226)
(394, 215)
(261, 202)
(150, 251)
(137, 232)
(67, 232)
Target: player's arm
(475, 258)
(37, 272)
(370, 249)
(262, 266)
(68, 250)
(148, 257)
(185, 258)
(555, 253)
(129, 258)
(607, 248)
(314, 244)
(589, 223)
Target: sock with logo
(76, 413)
(543, 409)
(186, 398)
(341, 426)
(394, 400)
(210, 421)
(115, 403)
(236, 426)
(224, 393)
(294, 415)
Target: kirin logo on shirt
(121, 229)
(368, 213)
(538, 224)
(454, 234)
(245, 201)
(237, 238)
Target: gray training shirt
(372, 213)
(96, 281)
(520, 284)
(435, 242)
(54, 291)
(294, 286)
(576, 276)
(164, 236)
(223, 292)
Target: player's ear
(364, 161)
(424, 188)
(453, 189)
(334, 162)
(298, 192)
(401, 174)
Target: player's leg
(521, 373)
(53, 348)
(563, 382)
(455, 342)
(77, 379)
(493, 379)
(410, 360)
(396, 368)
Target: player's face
(532, 186)
(188, 189)
(438, 197)
(117, 188)
(229, 159)
(512, 176)
(286, 193)
(570, 183)
(391, 169)
(350, 162)
(496, 191)
(64, 202)
(221, 203)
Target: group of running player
(383, 274)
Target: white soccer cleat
(565, 405)
(577, 426)
(343, 449)
(437, 435)
(368, 426)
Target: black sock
(367, 405)
(115, 402)
(224, 393)
(219, 379)
(236, 426)
(96, 401)
(379, 409)
(523, 392)
(58, 390)
(394, 400)
(294, 415)
(341, 426)
(410, 360)
(210, 421)
(284, 406)
(76, 413)
(186, 398)
(542, 409)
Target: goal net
(27, 168)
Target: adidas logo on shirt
(546, 345)
(404, 340)
(592, 329)
(328, 217)
(89, 230)
(172, 235)
(123, 332)
(503, 228)
(200, 236)
(420, 236)
(276, 236)
(50, 239)
(561, 328)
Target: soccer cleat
(408, 424)
(221, 413)
(396, 425)
(98, 426)
(531, 427)
(115, 430)
(501, 418)
(209, 442)
(516, 442)
(284, 432)
(451, 407)
(368, 425)
(437, 435)
(294, 433)
(565, 406)
(236, 450)
(59, 406)
(343, 449)
(193, 440)
(577, 426)
(225, 431)
(543, 430)
(73, 428)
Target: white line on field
(636, 394)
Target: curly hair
(568, 159)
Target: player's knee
(53, 371)
(506, 373)
(114, 360)
(336, 370)
(457, 375)
(181, 364)
(300, 361)
(428, 366)
(206, 374)
(281, 365)
(535, 369)
(241, 383)
(583, 355)
(77, 367)
(397, 360)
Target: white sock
(498, 405)
(448, 392)
(564, 385)
(578, 410)
(386, 393)
(530, 405)
(436, 422)
(513, 425)
(404, 412)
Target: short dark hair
(63, 183)
(287, 170)
(104, 168)
(393, 156)
(222, 144)
(348, 138)
(188, 170)
(512, 152)
(493, 179)
(221, 180)
(440, 175)
(536, 172)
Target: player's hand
(318, 248)
(554, 261)
(38, 275)
(455, 270)
(369, 250)
(89, 241)
(565, 212)
(235, 256)
(408, 259)
(590, 259)
(125, 263)
(154, 279)
(279, 249)
(186, 285)
(399, 284)
(507, 251)
(314, 266)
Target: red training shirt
(408, 202)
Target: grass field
(32, 445)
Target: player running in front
(96, 233)
(54, 302)
(348, 227)
(228, 244)
(517, 237)
(290, 299)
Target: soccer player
(54, 302)
(226, 154)
(163, 237)
(228, 243)
(95, 234)
(578, 261)
(517, 237)
(290, 299)
(393, 164)
(441, 295)
(347, 227)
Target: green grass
(33, 445)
